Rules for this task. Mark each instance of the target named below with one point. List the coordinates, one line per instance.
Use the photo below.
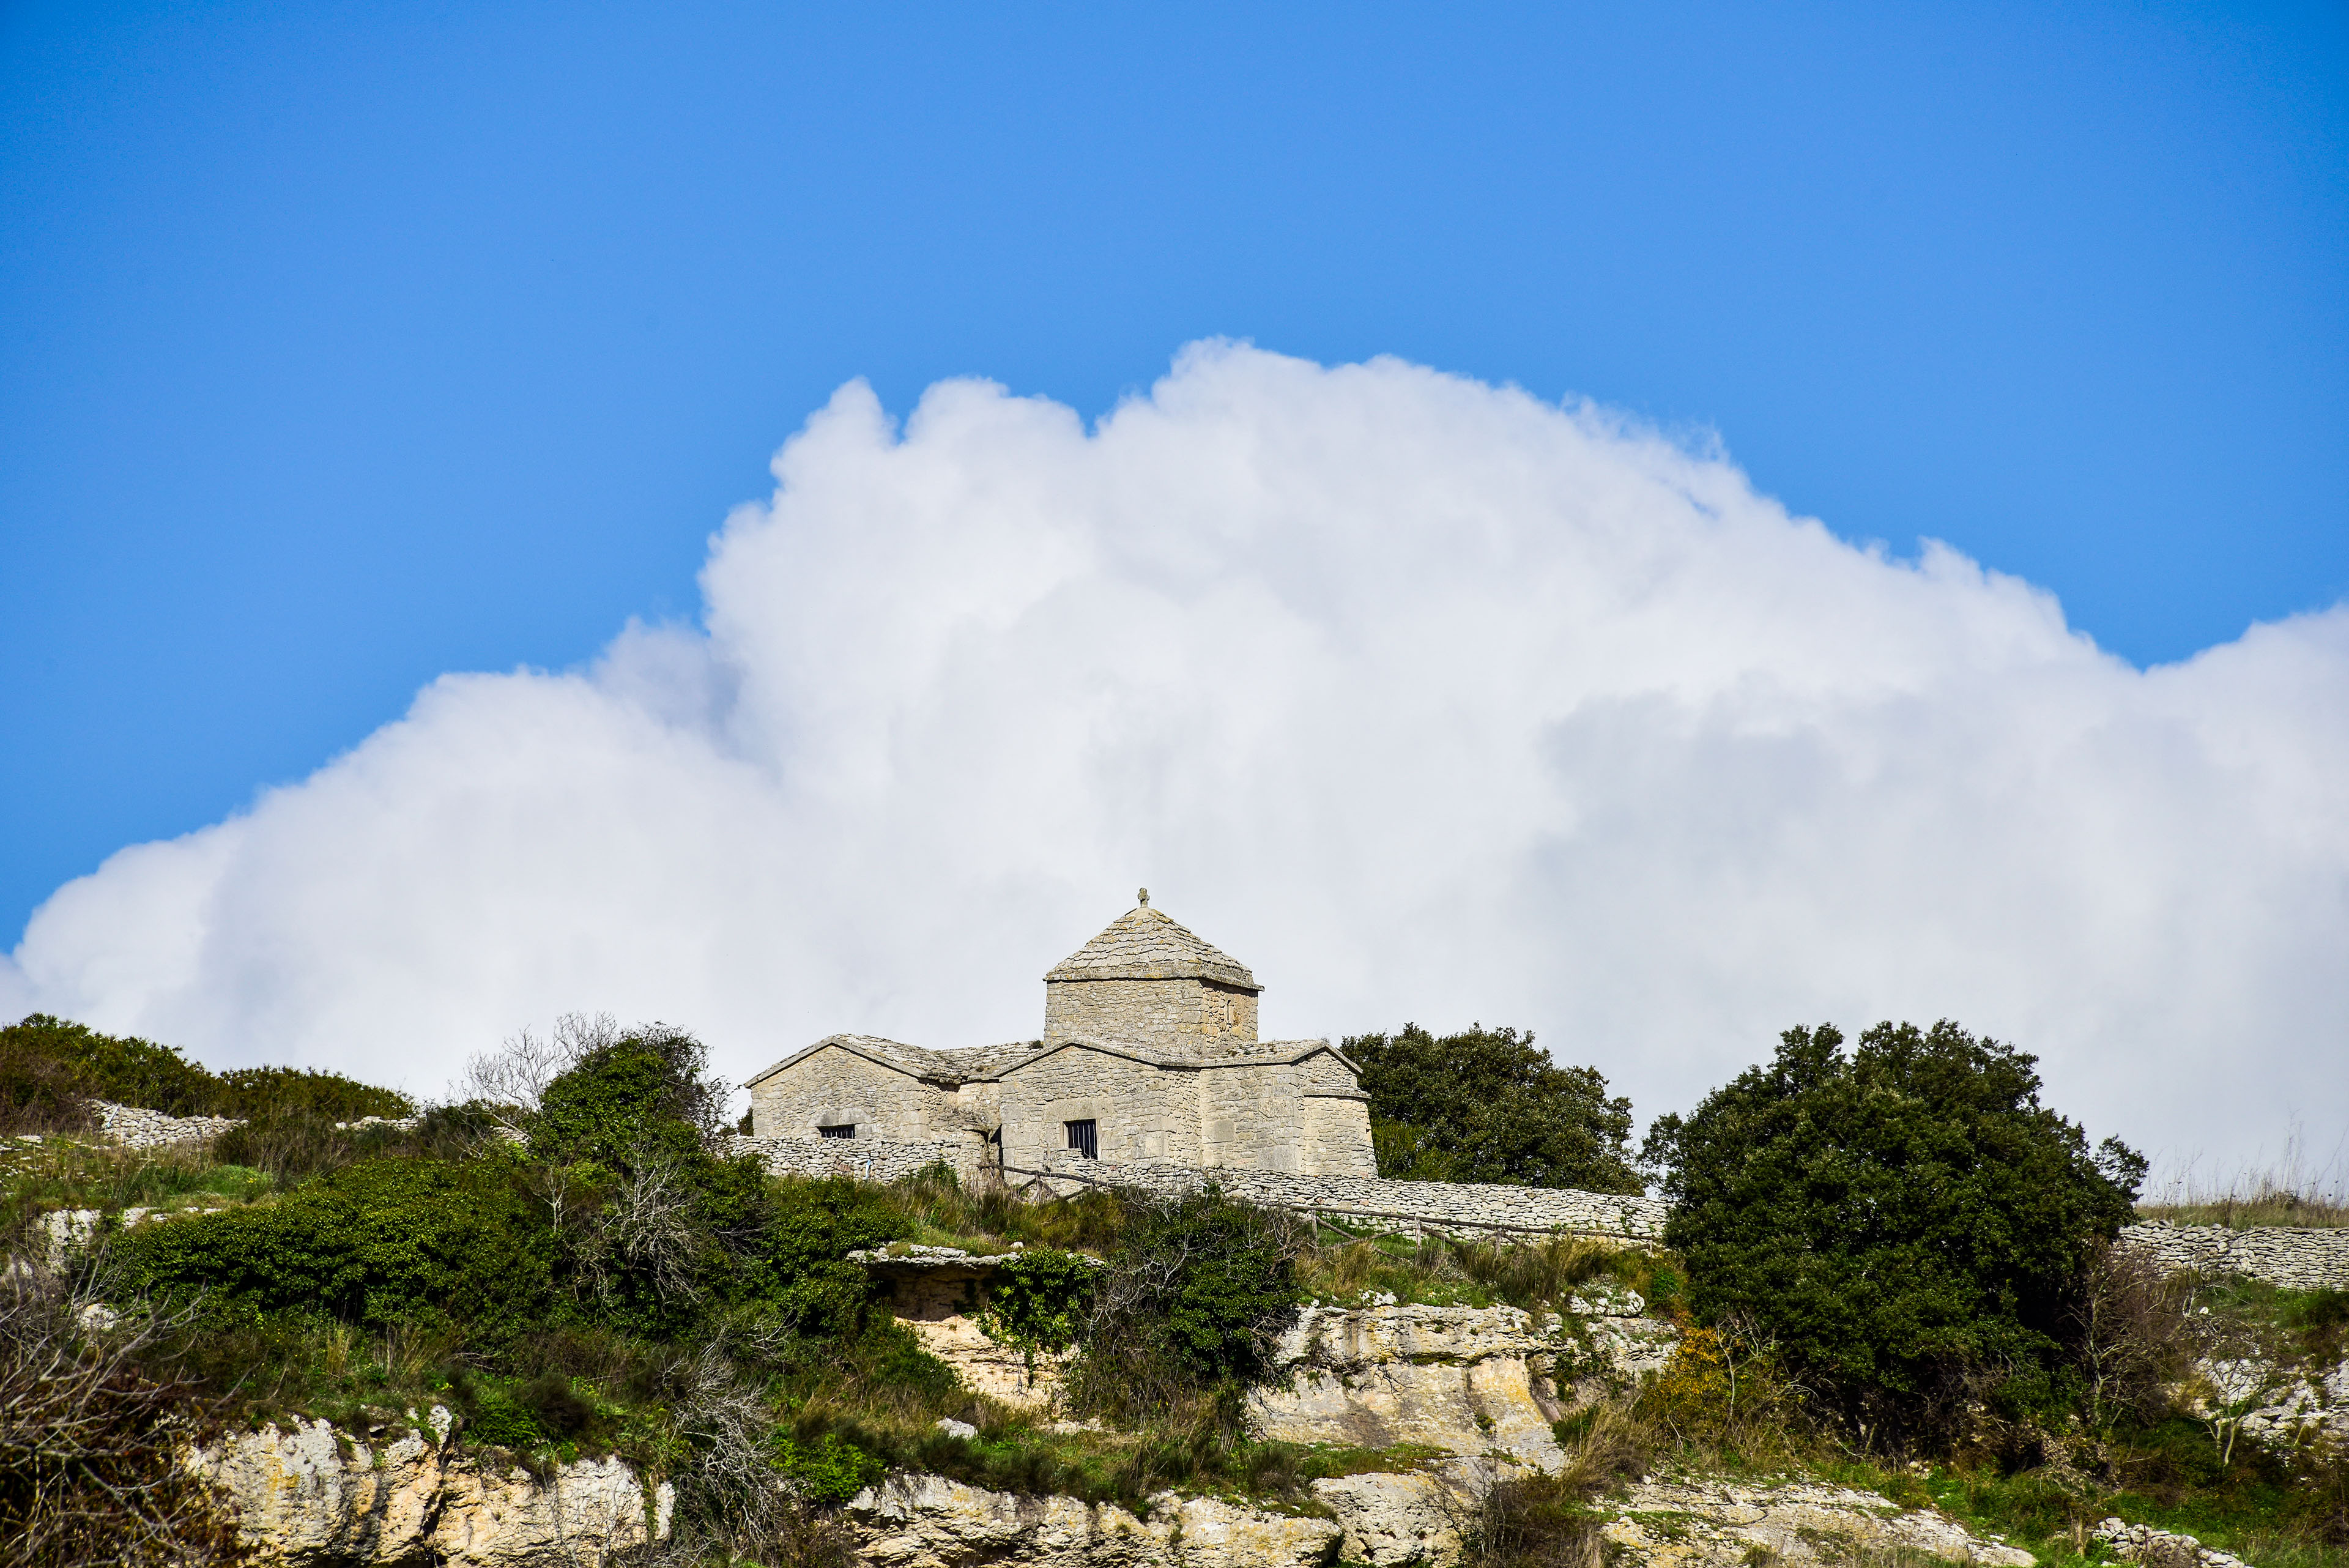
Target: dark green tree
(1486, 1106)
(1906, 1221)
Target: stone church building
(1149, 1053)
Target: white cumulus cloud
(1427, 700)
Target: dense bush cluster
(1195, 1296)
(1905, 1221)
(385, 1242)
(617, 1217)
(613, 1284)
(1486, 1106)
(49, 1067)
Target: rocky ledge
(1455, 1378)
(2162, 1548)
(1475, 1381)
(914, 1521)
(1404, 1520)
(1715, 1524)
(313, 1497)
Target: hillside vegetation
(1889, 1266)
(50, 1070)
(1485, 1105)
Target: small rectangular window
(848, 1131)
(1081, 1140)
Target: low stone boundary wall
(133, 1128)
(866, 1159)
(1373, 1203)
(2296, 1258)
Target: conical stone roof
(1142, 944)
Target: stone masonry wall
(1373, 1203)
(1336, 1139)
(1148, 1012)
(1250, 1117)
(861, 1159)
(1139, 1111)
(836, 1087)
(133, 1128)
(2294, 1258)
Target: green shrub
(386, 1240)
(799, 1268)
(493, 1416)
(638, 1098)
(560, 1410)
(1486, 1106)
(826, 1468)
(1038, 1300)
(258, 1091)
(40, 1093)
(1902, 1221)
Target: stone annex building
(1149, 1053)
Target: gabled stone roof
(1187, 1058)
(970, 1062)
(957, 1065)
(909, 1059)
(1142, 944)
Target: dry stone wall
(1373, 1203)
(136, 1128)
(2296, 1258)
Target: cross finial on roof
(1145, 898)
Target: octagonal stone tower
(1147, 981)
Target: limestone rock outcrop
(1446, 1377)
(1397, 1518)
(912, 1521)
(313, 1497)
(2280, 1408)
(1615, 1344)
(932, 1292)
(1720, 1524)
(2160, 1548)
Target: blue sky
(348, 345)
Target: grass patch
(75, 1173)
(1538, 1274)
(2290, 1192)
